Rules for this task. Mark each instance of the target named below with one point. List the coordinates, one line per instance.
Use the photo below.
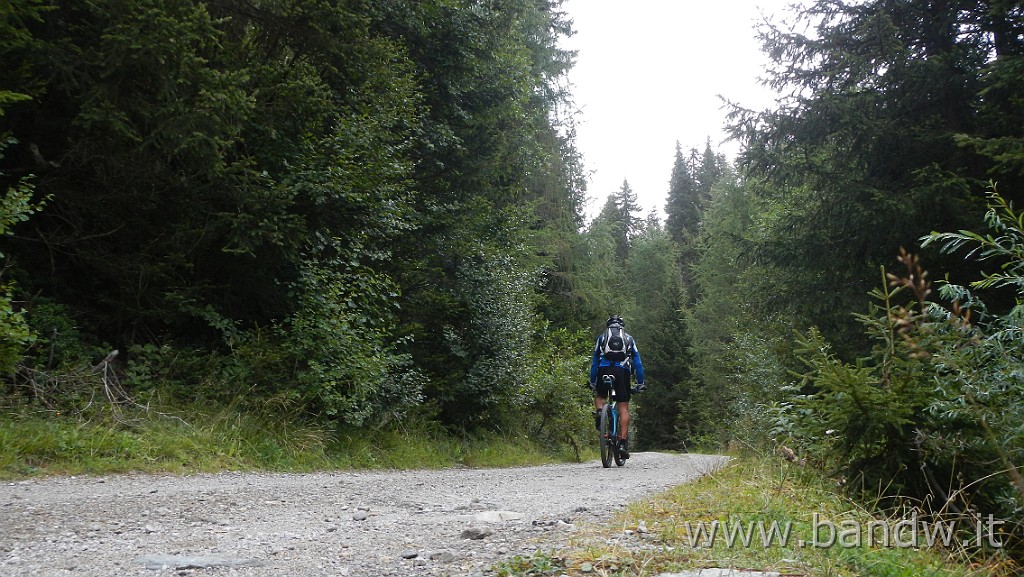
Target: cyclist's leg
(600, 397)
(624, 420)
(602, 392)
(622, 394)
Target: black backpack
(615, 347)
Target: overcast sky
(648, 74)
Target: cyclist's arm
(638, 365)
(595, 361)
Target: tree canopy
(354, 200)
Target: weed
(214, 438)
(763, 515)
(538, 565)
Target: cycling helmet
(616, 320)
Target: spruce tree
(682, 205)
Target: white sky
(648, 73)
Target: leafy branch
(1006, 241)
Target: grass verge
(757, 514)
(205, 439)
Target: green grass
(205, 439)
(750, 491)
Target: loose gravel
(420, 523)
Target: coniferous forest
(369, 213)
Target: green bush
(936, 412)
(552, 403)
(349, 367)
(16, 206)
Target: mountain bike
(609, 436)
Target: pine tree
(713, 166)
(689, 191)
(872, 147)
(682, 204)
(621, 213)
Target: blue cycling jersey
(632, 363)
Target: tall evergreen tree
(865, 152)
(488, 75)
(683, 204)
(622, 213)
(655, 318)
(689, 190)
(712, 169)
(689, 194)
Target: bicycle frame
(609, 433)
(613, 402)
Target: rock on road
(422, 522)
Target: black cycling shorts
(621, 383)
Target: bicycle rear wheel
(608, 451)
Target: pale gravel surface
(304, 525)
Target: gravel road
(437, 522)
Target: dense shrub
(936, 412)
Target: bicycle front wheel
(607, 436)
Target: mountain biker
(616, 354)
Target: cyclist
(616, 354)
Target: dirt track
(334, 523)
